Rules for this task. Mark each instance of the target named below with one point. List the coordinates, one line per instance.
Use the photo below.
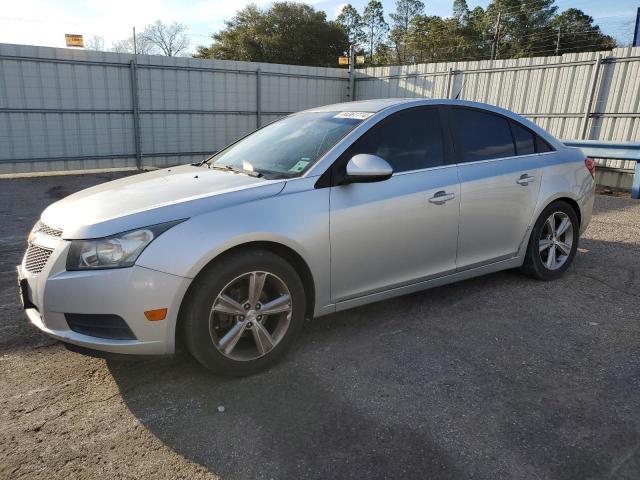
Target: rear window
(542, 146)
(481, 135)
(524, 139)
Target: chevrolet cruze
(321, 211)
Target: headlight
(117, 251)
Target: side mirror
(364, 168)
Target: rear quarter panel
(564, 175)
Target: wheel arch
(564, 197)
(560, 198)
(284, 251)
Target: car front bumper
(125, 292)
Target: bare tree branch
(94, 42)
(171, 40)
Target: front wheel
(553, 242)
(244, 312)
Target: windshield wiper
(233, 169)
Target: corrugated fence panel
(75, 109)
(63, 109)
(551, 91)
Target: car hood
(152, 198)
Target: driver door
(401, 230)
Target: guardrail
(615, 151)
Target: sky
(44, 22)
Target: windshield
(288, 147)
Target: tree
(374, 26)
(524, 30)
(94, 43)
(171, 39)
(460, 11)
(143, 46)
(433, 39)
(406, 11)
(577, 33)
(287, 32)
(351, 21)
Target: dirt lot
(497, 377)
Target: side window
(525, 139)
(481, 135)
(542, 146)
(408, 140)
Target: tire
(231, 342)
(541, 243)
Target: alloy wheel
(250, 316)
(556, 240)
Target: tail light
(591, 166)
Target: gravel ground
(496, 377)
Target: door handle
(525, 180)
(441, 197)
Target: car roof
(374, 105)
(380, 104)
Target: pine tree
(351, 22)
(406, 11)
(375, 27)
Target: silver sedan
(321, 211)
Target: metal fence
(582, 96)
(66, 109)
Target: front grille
(47, 230)
(102, 326)
(36, 258)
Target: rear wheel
(244, 312)
(553, 242)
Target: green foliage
(375, 27)
(577, 30)
(296, 33)
(406, 12)
(351, 22)
(288, 32)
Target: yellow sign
(360, 59)
(73, 40)
(343, 60)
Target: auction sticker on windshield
(300, 166)
(354, 115)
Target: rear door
(499, 181)
(392, 233)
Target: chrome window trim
(422, 170)
(487, 160)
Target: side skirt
(435, 282)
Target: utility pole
(352, 82)
(135, 46)
(558, 42)
(636, 32)
(496, 33)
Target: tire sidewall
(206, 288)
(535, 262)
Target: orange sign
(73, 40)
(343, 60)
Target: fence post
(635, 186)
(258, 99)
(136, 114)
(592, 91)
(352, 81)
(449, 78)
